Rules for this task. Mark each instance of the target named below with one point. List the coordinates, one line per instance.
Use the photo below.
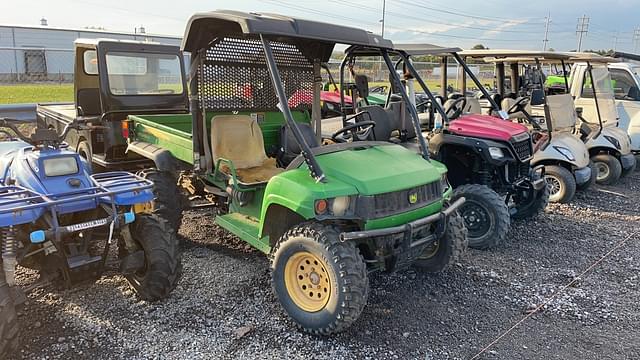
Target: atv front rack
(19, 205)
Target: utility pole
(636, 39)
(547, 21)
(581, 29)
(384, 10)
(615, 40)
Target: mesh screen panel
(235, 77)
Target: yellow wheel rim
(143, 208)
(307, 281)
(430, 251)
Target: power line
(581, 29)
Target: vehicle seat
(563, 112)
(289, 147)
(473, 106)
(384, 127)
(89, 101)
(401, 119)
(508, 102)
(239, 138)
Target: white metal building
(44, 53)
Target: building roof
(85, 30)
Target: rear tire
(447, 249)
(592, 179)
(561, 184)
(485, 214)
(169, 201)
(9, 341)
(320, 281)
(608, 168)
(163, 265)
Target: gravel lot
(224, 308)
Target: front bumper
(536, 179)
(582, 175)
(628, 161)
(398, 246)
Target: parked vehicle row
(408, 179)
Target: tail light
(125, 129)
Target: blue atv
(58, 218)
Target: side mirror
(362, 84)
(537, 97)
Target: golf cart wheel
(532, 205)
(561, 184)
(320, 281)
(608, 169)
(169, 201)
(592, 179)
(162, 258)
(485, 215)
(446, 250)
(9, 341)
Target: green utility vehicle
(326, 215)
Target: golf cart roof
(504, 55)
(319, 37)
(426, 49)
(627, 56)
(591, 57)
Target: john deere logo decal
(413, 197)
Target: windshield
(144, 73)
(604, 93)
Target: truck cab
(113, 79)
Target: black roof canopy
(316, 39)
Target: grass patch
(35, 93)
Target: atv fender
(162, 158)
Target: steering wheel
(518, 106)
(360, 131)
(455, 109)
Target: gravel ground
(224, 308)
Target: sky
(463, 23)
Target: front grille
(391, 203)
(522, 148)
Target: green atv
(326, 215)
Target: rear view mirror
(537, 97)
(579, 111)
(362, 84)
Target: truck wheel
(9, 341)
(608, 169)
(446, 250)
(561, 184)
(162, 258)
(320, 281)
(592, 179)
(533, 204)
(169, 201)
(485, 215)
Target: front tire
(526, 208)
(320, 281)
(608, 169)
(169, 201)
(162, 258)
(447, 249)
(9, 341)
(561, 184)
(485, 214)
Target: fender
(566, 140)
(163, 158)
(478, 146)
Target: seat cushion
(237, 138)
(257, 174)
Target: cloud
(502, 26)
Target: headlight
(496, 153)
(340, 205)
(60, 166)
(444, 182)
(614, 141)
(565, 152)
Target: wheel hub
(554, 185)
(603, 170)
(307, 281)
(476, 218)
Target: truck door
(627, 94)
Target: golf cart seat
(508, 102)
(473, 106)
(238, 138)
(563, 112)
(289, 147)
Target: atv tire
(9, 341)
(485, 214)
(162, 258)
(320, 281)
(446, 250)
(592, 179)
(561, 184)
(169, 201)
(534, 207)
(608, 169)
